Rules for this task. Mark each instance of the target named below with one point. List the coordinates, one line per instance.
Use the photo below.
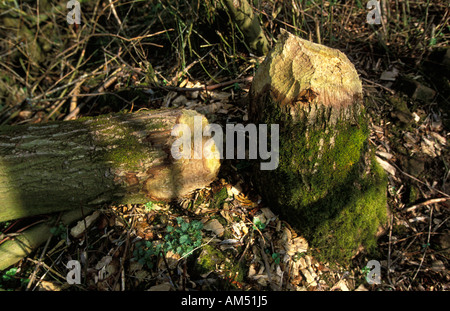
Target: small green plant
(258, 224)
(149, 206)
(59, 231)
(365, 271)
(146, 253)
(9, 275)
(277, 258)
(9, 281)
(183, 238)
(297, 256)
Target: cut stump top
(298, 72)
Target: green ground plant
(9, 280)
(146, 253)
(182, 239)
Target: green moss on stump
(327, 184)
(359, 211)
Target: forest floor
(126, 57)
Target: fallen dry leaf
(215, 226)
(164, 287)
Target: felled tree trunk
(20, 246)
(248, 23)
(326, 183)
(123, 158)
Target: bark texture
(326, 183)
(248, 23)
(122, 158)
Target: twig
(187, 254)
(379, 85)
(49, 268)
(419, 181)
(113, 8)
(246, 247)
(168, 269)
(6, 236)
(202, 88)
(132, 39)
(426, 246)
(188, 67)
(80, 79)
(427, 202)
(100, 90)
(206, 87)
(38, 264)
(266, 261)
(123, 258)
(389, 263)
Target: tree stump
(327, 184)
(123, 158)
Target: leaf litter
(240, 229)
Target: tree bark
(327, 183)
(248, 23)
(123, 158)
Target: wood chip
(83, 224)
(386, 166)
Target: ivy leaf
(169, 228)
(188, 250)
(260, 225)
(142, 261)
(185, 226)
(184, 239)
(197, 225)
(169, 245)
(158, 248)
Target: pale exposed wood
(304, 76)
